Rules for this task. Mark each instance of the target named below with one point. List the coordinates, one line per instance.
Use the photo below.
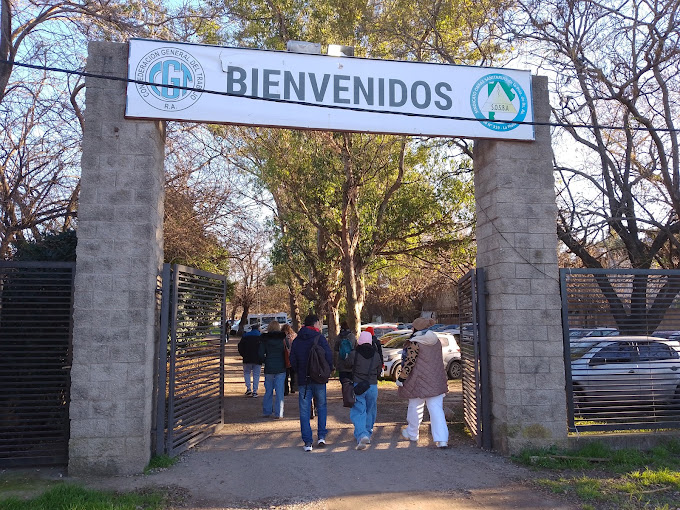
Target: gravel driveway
(256, 462)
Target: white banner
(273, 88)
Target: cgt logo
(168, 70)
(498, 97)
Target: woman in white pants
(423, 382)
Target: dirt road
(257, 462)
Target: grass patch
(604, 478)
(73, 497)
(160, 462)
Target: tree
(450, 31)
(40, 118)
(39, 157)
(250, 269)
(345, 203)
(613, 64)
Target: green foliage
(160, 462)
(72, 497)
(623, 479)
(52, 247)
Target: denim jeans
(305, 395)
(273, 383)
(364, 412)
(255, 369)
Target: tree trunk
(244, 318)
(333, 316)
(294, 308)
(6, 51)
(349, 233)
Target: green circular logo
(498, 97)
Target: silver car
(450, 352)
(627, 371)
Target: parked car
(576, 333)
(379, 331)
(450, 352)
(668, 335)
(627, 371)
(392, 356)
(387, 337)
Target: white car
(627, 370)
(450, 352)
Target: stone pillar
(119, 257)
(517, 246)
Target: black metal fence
(35, 361)
(473, 346)
(621, 348)
(191, 358)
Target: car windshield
(396, 343)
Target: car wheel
(396, 372)
(454, 370)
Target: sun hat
(422, 323)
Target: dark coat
(271, 352)
(249, 346)
(299, 352)
(365, 363)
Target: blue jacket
(299, 352)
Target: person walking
(307, 389)
(290, 384)
(248, 348)
(366, 366)
(376, 343)
(340, 355)
(272, 354)
(423, 382)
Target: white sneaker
(442, 444)
(405, 435)
(321, 443)
(307, 447)
(363, 443)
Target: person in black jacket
(248, 348)
(366, 367)
(307, 389)
(272, 355)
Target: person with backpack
(312, 359)
(343, 346)
(366, 367)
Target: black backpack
(317, 366)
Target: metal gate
(617, 377)
(190, 398)
(36, 305)
(472, 312)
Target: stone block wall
(517, 246)
(119, 257)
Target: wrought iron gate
(617, 377)
(190, 398)
(476, 401)
(36, 305)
